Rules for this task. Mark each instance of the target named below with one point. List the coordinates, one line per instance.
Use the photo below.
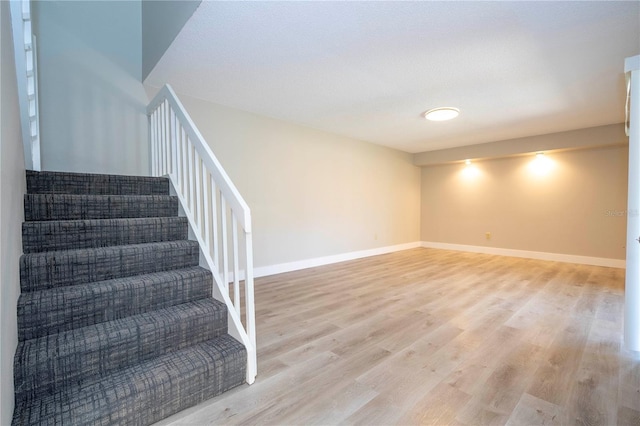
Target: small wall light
(470, 171)
(541, 165)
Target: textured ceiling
(367, 70)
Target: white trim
(539, 255)
(280, 268)
(632, 63)
(632, 277)
(264, 271)
(27, 81)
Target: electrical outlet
(487, 235)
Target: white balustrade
(24, 48)
(209, 199)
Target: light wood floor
(437, 337)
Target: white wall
(92, 102)
(312, 194)
(592, 137)
(12, 188)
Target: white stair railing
(24, 48)
(209, 199)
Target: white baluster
(178, 155)
(198, 180)
(236, 269)
(174, 143)
(225, 255)
(162, 138)
(214, 223)
(167, 139)
(190, 179)
(152, 131)
(206, 195)
(185, 144)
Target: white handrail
(207, 197)
(24, 48)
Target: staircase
(116, 321)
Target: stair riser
(80, 234)
(79, 207)
(41, 271)
(80, 183)
(116, 320)
(147, 393)
(54, 362)
(52, 311)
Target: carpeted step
(40, 271)
(86, 183)
(80, 234)
(79, 207)
(52, 362)
(145, 393)
(65, 308)
(116, 321)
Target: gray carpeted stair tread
(52, 362)
(145, 393)
(40, 271)
(86, 183)
(77, 207)
(65, 308)
(80, 234)
(116, 321)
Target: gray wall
(161, 23)
(311, 193)
(92, 102)
(12, 188)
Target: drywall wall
(12, 189)
(161, 23)
(92, 102)
(311, 193)
(593, 137)
(570, 202)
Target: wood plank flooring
(437, 337)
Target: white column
(632, 284)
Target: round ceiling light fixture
(441, 114)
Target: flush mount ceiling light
(441, 114)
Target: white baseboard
(280, 268)
(557, 257)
